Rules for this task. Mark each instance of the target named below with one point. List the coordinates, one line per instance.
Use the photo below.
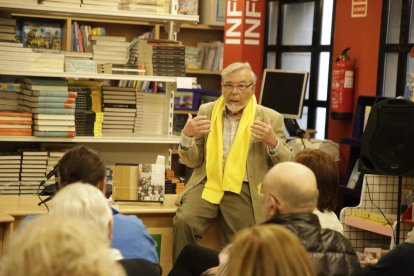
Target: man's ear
(102, 185)
(273, 206)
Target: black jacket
(396, 262)
(330, 251)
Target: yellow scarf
(235, 168)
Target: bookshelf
(114, 148)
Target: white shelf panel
(125, 139)
(91, 13)
(86, 76)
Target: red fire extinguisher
(342, 87)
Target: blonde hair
(84, 201)
(65, 245)
(268, 250)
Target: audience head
(86, 202)
(268, 250)
(326, 171)
(82, 164)
(289, 187)
(59, 245)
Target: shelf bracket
(172, 28)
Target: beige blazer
(259, 161)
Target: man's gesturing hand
(196, 126)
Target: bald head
(293, 187)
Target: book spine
(54, 94)
(54, 133)
(53, 110)
(115, 105)
(45, 105)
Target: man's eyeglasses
(240, 86)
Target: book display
(41, 35)
(85, 107)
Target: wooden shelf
(369, 225)
(202, 27)
(86, 76)
(185, 112)
(94, 13)
(202, 72)
(124, 139)
(77, 18)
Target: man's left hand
(263, 132)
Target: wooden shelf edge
(77, 18)
(202, 72)
(369, 225)
(144, 139)
(185, 112)
(91, 13)
(202, 27)
(86, 76)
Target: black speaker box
(388, 139)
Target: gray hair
(59, 245)
(84, 201)
(238, 66)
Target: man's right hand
(196, 126)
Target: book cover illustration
(42, 35)
(188, 7)
(151, 182)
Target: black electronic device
(387, 147)
(51, 173)
(284, 91)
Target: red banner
(244, 34)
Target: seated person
(59, 245)
(89, 203)
(130, 236)
(290, 195)
(280, 251)
(326, 171)
(396, 261)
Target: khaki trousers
(195, 214)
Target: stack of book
(162, 57)
(119, 105)
(33, 170)
(14, 57)
(61, 3)
(8, 29)
(150, 114)
(134, 49)
(78, 62)
(150, 6)
(122, 69)
(109, 49)
(8, 96)
(88, 113)
(111, 5)
(47, 98)
(15, 124)
(10, 173)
